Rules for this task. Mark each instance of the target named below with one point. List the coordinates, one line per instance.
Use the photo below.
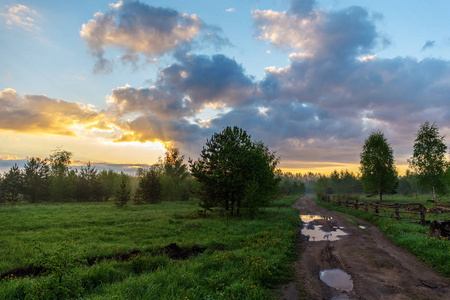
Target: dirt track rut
(379, 269)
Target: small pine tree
(123, 194)
(12, 184)
(150, 187)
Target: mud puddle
(319, 228)
(337, 279)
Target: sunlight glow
(155, 145)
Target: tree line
(54, 180)
(233, 174)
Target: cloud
(186, 87)
(231, 9)
(137, 28)
(319, 33)
(21, 16)
(9, 157)
(183, 90)
(41, 114)
(319, 107)
(428, 45)
(302, 8)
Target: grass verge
(412, 237)
(244, 258)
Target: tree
(36, 180)
(378, 173)
(109, 181)
(12, 184)
(174, 175)
(123, 192)
(60, 161)
(63, 180)
(404, 187)
(88, 186)
(1, 189)
(231, 168)
(428, 160)
(150, 187)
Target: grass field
(244, 259)
(407, 234)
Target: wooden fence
(398, 211)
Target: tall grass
(411, 236)
(244, 258)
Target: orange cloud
(9, 157)
(41, 114)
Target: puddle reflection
(338, 279)
(309, 218)
(314, 233)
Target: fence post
(365, 207)
(376, 208)
(357, 204)
(422, 214)
(346, 201)
(397, 214)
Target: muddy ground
(379, 269)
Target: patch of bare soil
(173, 251)
(379, 269)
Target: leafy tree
(378, 173)
(231, 168)
(174, 176)
(60, 161)
(109, 181)
(36, 180)
(63, 180)
(150, 187)
(123, 192)
(12, 184)
(428, 160)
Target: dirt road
(378, 268)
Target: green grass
(244, 258)
(411, 236)
(422, 198)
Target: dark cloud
(186, 87)
(428, 45)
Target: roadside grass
(411, 236)
(413, 198)
(244, 258)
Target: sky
(114, 82)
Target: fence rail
(398, 211)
